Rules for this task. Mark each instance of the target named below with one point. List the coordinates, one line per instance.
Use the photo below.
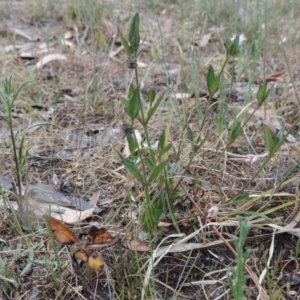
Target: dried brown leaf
(205, 39)
(63, 234)
(167, 25)
(48, 58)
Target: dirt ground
(76, 72)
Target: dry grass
(82, 95)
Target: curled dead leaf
(63, 234)
(137, 245)
(48, 58)
(164, 224)
(99, 235)
(81, 255)
(78, 259)
(95, 261)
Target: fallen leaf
(48, 58)
(96, 262)
(274, 77)
(99, 235)
(95, 197)
(182, 96)
(72, 216)
(63, 234)
(205, 39)
(33, 54)
(137, 245)
(141, 64)
(167, 25)
(80, 255)
(108, 26)
(68, 34)
(67, 43)
(164, 224)
(10, 48)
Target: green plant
(149, 165)
(153, 167)
(236, 275)
(8, 98)
(17, 150)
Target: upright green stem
(16, 160)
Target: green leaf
(161, 141)
(190, 134)
(234, 47)
(125, 103)
(212, 81)
(262, 93)
(236, 130)
(134, 104)
(131, 166)
(125, 43)
(280, 133)
(214, 86)
(14, 282)
(157, 170)
(153, 109)
(165, 149)
(29, 264)
(210, 76)
(132, 142)
(151, 95)
(270, 140)
(149, 163)
(131, 90)
(134, 34)
(6, 120)
(242, 197)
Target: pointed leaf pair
(153, 108)
(131, 166)
(234, 47)
(273, 142)
(235, 132)
(132, 46)
(262, 93)
(134, 104)
(157, 170)
(212, 81)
